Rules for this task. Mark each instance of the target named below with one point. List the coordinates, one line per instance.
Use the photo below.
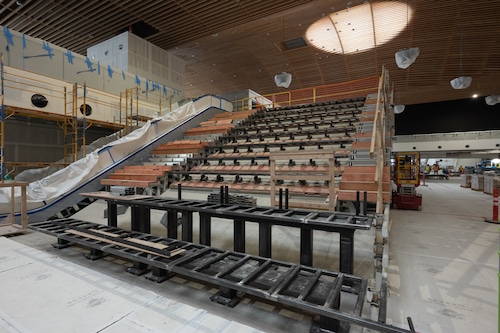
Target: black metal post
(239, 235)
(347, 251)
(205, 229)
(179, 191)
(226, 195)
(286, 198)
(140, 219)
(306, 247)
(280, 198)
(221, 199)
(172, 224)
(265, 240)
(356, 204)
(112, 214)
(365, 203)
(187, 226)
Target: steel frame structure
(313, 290)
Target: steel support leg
(205, 229)
(61, 244)
(187, 226)
(141, 219)
(159, 275)
(347, 251)
(306, 247)
(94, 254)
(138, 268)
(172, 224)
(112, 214)
(265, 240)
(239, 235)
(226, 296)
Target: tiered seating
(180, 147)
(240, 158)
(144, 178)
(219, 124)
(155, 176)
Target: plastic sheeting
(461, 82)
(42, 192)
(492, 99)
(406, 57)
(283, 79)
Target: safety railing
(378, 141)
(331, 92)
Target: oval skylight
(359, 28)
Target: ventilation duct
(406, 57)
(283, 79)
(492, 99)
(461, 82)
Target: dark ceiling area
(471, 114)
(231, 45)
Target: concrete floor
(443, 273)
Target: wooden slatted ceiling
(230, 45)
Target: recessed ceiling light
(360, 28)
(474, 96)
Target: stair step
(372, 196)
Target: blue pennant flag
(70, 56)
(165, 90)
(123, 74)
(24, 41)
(47, 48)
(89, 64)
(137, 80)
(8, 36)
(156, 86)
(110, 71)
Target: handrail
(350, 89)
(378, 140)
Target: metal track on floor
(337, 298)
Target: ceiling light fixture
(461, 82)
(399, 108)
(358, 28)
(283, 79)
(406, 57)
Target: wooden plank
(363, 177)
(185, 150)
(349, 195)
(129, 183)
(165, 168)
(364, 169)
(363, 186)
(145, 171)
(128, 176)
(109, 195)
(109, 241)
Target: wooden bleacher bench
(180, 147)
(145, 177)
(205, 130)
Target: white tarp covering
(492, 99)
(461, 82)
(44, 191)
(406, 57)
